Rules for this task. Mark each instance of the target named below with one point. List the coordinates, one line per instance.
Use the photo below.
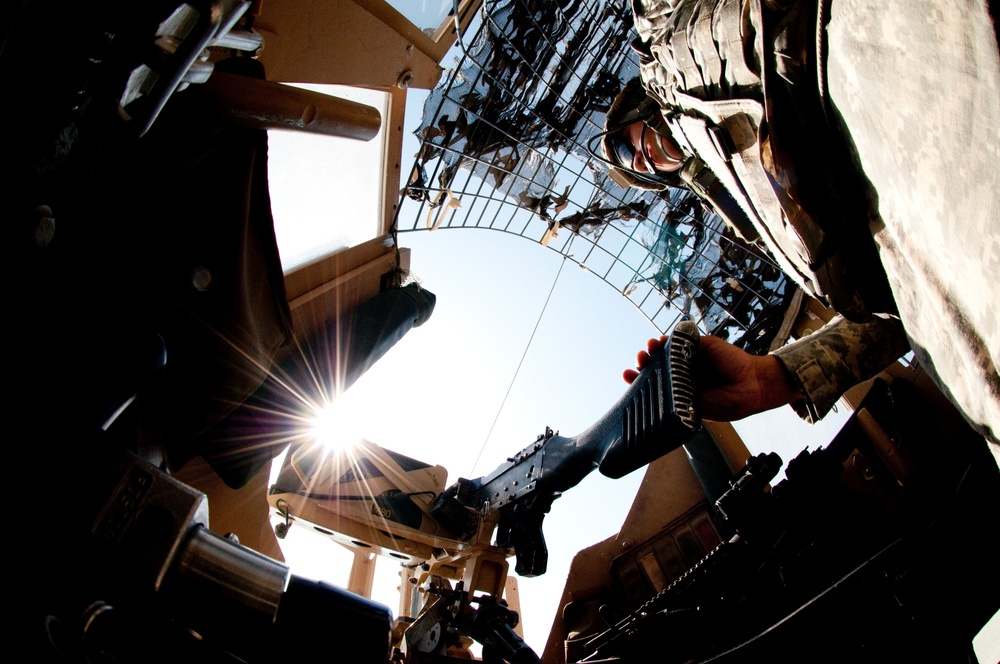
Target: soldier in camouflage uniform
(860, 142)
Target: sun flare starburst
(335, 425)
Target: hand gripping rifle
(656, 415)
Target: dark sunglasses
(624, 153)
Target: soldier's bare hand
(730, 383)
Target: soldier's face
(653, 153)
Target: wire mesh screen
(506, 144)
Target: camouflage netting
(510, 133)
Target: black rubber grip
(657, 414)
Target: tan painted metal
(267, 105)
(349, 42)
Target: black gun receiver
(656, 415)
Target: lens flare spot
(336, 426)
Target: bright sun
(339, 424)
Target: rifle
(656, 415)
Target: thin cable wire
(516, 371)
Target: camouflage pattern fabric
(917, 83)
(828, 362)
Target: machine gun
(656, 415)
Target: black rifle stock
(656, 415)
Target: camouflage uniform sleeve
(841, 354)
